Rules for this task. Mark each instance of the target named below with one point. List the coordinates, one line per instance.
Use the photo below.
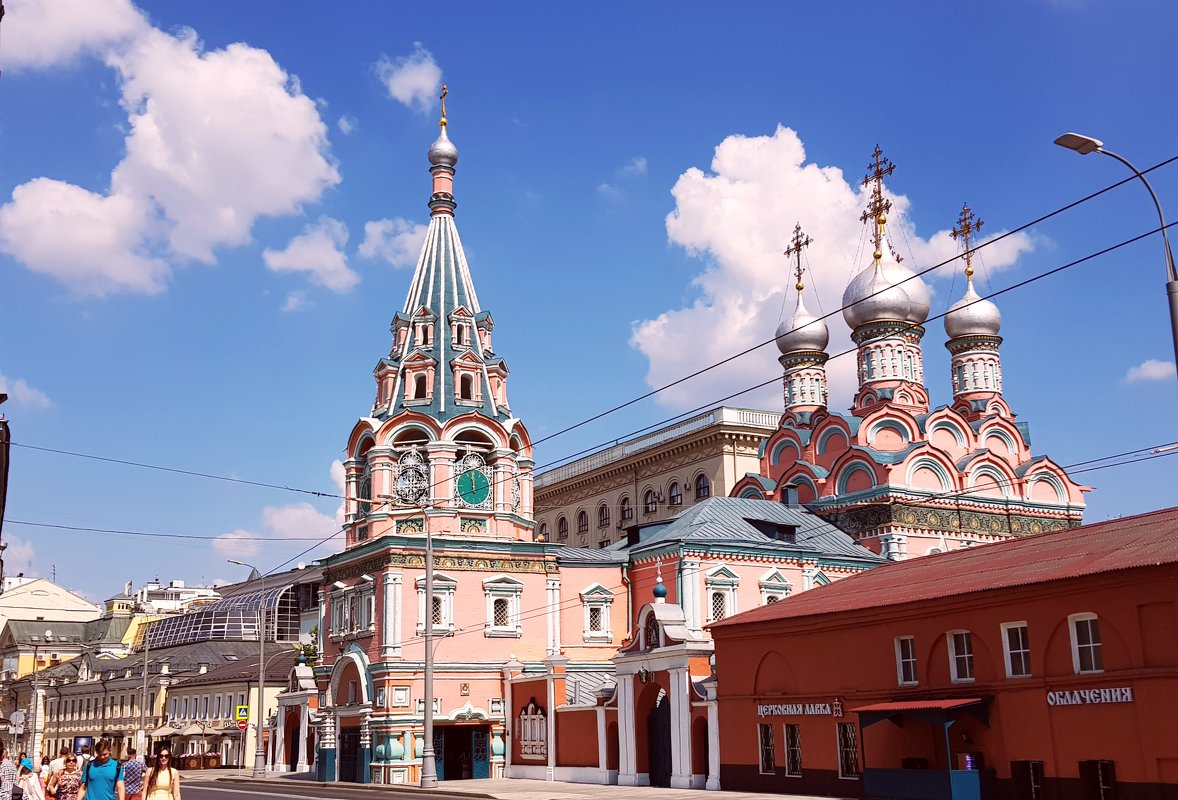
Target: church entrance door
(658, 738)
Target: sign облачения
(1081, 697)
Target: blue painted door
(440, 752)
(481, 744)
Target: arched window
(562, 528)
(582, 522)
(675, 494)
(419, 388)
(364, 490)
(627, 510)
(603, 516)
(543, 531)
(466, 387)
(703, 487)
(650, 503)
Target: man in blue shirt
(102, 777)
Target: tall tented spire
(972, 325)
(886, 305)
(441, 363)
(802, 341)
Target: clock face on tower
(473, 486)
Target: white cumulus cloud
(398, 241)
(20, 393)
(414, 80)
(636, 166)
(346, 125)
(318, 250)
(738, 219)
(1151, 369)
(297, 521)
(295, 301)
(46, 33)
(340, 476)
(217, 139)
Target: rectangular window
(848, 751)
(719, 606)
(204, 707)
(1016, 641)
(185, 708)
(961, 656)
(906, 660)
(793, 750)
(595, 618)
(765, 734)
(1086, 649)
(175, 708)
(217, 707)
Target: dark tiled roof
(1130, 542)
(246, 669)
(729, 521)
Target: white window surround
(724, 581)
(961, 656)
(444, 588)
(353, 610)
(532, 732)
(501, 587)
(1006, 628)
(597, 597)
(906, 657)
(1095, 648)
(774, 586)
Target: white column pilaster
(627, 756)
(553, 615)
(713, 782)
(602, 760)
(689, 585)
(680, 728)
(304, 714)
(391, 626)
(278, 762)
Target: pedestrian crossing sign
(242, 712)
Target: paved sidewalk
(516, 789)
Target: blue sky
(209, 213)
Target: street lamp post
(1085, 145)
(260, 750)
(429, 769)
(38, 725)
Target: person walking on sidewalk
(102, 777)
(133, 770)
(66, 784)
(163, 782)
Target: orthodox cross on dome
(799, 243)
(967, 225)
(879, 206)
(442, 97)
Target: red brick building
(1042, 667)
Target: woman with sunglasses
(64, 785)
(163, 782)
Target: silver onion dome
(973, 316)
(443, 152)
(871, 297)
(804, 332)
(917, 290)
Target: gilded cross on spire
(879, 206)
(799, 243)
(442, 97)
(967, 226)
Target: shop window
(765, 736)
(1026, 779)
(1016, 642)
(675, 494)
(961, 656)
(1086, 646)
(848, 751)
(793, 750)
(603, 516)
(582, 522)
(532, 732)
(703, 487)
(1098, 780)
(906, 660)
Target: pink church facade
(905, 479)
